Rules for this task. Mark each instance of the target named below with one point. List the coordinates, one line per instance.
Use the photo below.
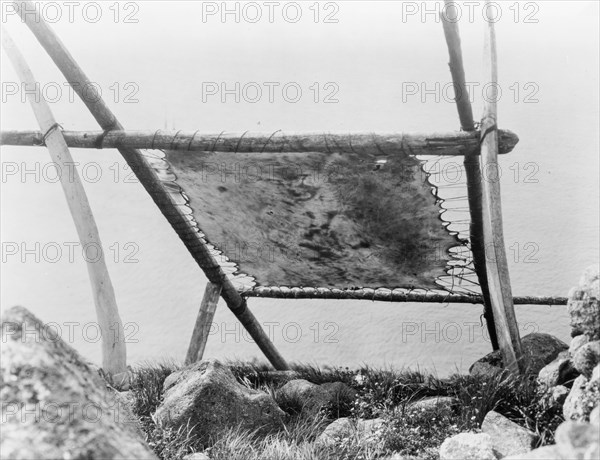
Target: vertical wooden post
(471, 162)
(212, 293)
(495, 252)
(149, 180)
(114, 356)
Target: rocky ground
(55, 405)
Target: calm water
(549, 183)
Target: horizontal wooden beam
(386, 295)
(452, 144)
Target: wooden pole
(448, 144)
(496, 264)
(386, 295)
(451, 32)
(203, 322)
(471, 162)
(114, 355)
(149, 180)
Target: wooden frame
(479, 148)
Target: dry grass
(381, 393)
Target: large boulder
(539, 349)
(583, 306)
(313, 397)
(578, 440)
(467, 446)
(583, 398)
(587, 357)
(54, 404)
(208, 399)
(507, 437)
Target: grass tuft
(381, 393)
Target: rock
(345, 427)
(539, 349)
(587, 357)
(467, 446)
(582, 399)
(558, 372)
(396, 456)
(557, 396)
(541, 453)
(595, 416)
(126, 415)
(313, 397)
(576, 343)
(196, 456)
(583, 306)
(207, 396)
(339, 392)
(434, 403)
(577, 440)
(55, 405)
(481, 368)
(507, 437)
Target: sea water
(154, 73)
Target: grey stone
(54, 404)
(558, 372)
(557, 396)
(467, 446)
(434, 403)
(207, 398)
(582, 399)
(587, 357)
(508, 438)
(482, 368)
(541, 453)
(583, 306)
(313, 397)
(577, 440)
(576, 343)
(539, 349)
(595, 416)
(196, 456)
(345, 427)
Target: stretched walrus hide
(316, 219)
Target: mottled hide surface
(316, 219)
